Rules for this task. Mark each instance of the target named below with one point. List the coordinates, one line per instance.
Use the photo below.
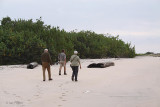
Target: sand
(130, 83)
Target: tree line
(23, 41)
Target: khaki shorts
(62, 63)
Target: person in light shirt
(75, 63)
(62, 62)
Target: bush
(23, 41)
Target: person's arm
(41, 59)
(50, 60)
(65, 59)
(65, 62)
(79, 63)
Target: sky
(135, 21)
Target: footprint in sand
(63, 94)
(36, 96)
(60, 85)
(15, 95)
(64, 100)
(60, 97)
(38, 92)
(18, 96)
(59, 105)
(66, 82)
(28, 100)
(15, 102)
(6, 92)
(18, 102)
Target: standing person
(46, 62)
(62, 62)
(75, 62)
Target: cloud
(136, 34)
(133, 20)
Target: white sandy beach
(130, 83)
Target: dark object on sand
(32, 65)
(101, 65)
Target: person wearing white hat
(75, 52)
(75, 63)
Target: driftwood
(32, 65)
(101, 65)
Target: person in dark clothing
(75, 63)
(46, 62)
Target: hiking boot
(65, 73)
(76, 80)
(72, 78)
(59, 72)
(50, 79)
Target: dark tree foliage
(23, 41)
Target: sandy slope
(130, 83)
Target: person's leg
(73, 73)
(49, 72)
(76, 73)
(44, 69)
(60, 68)
(65, 70)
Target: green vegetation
(23, 41)
(149, 54)
(145, 54)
